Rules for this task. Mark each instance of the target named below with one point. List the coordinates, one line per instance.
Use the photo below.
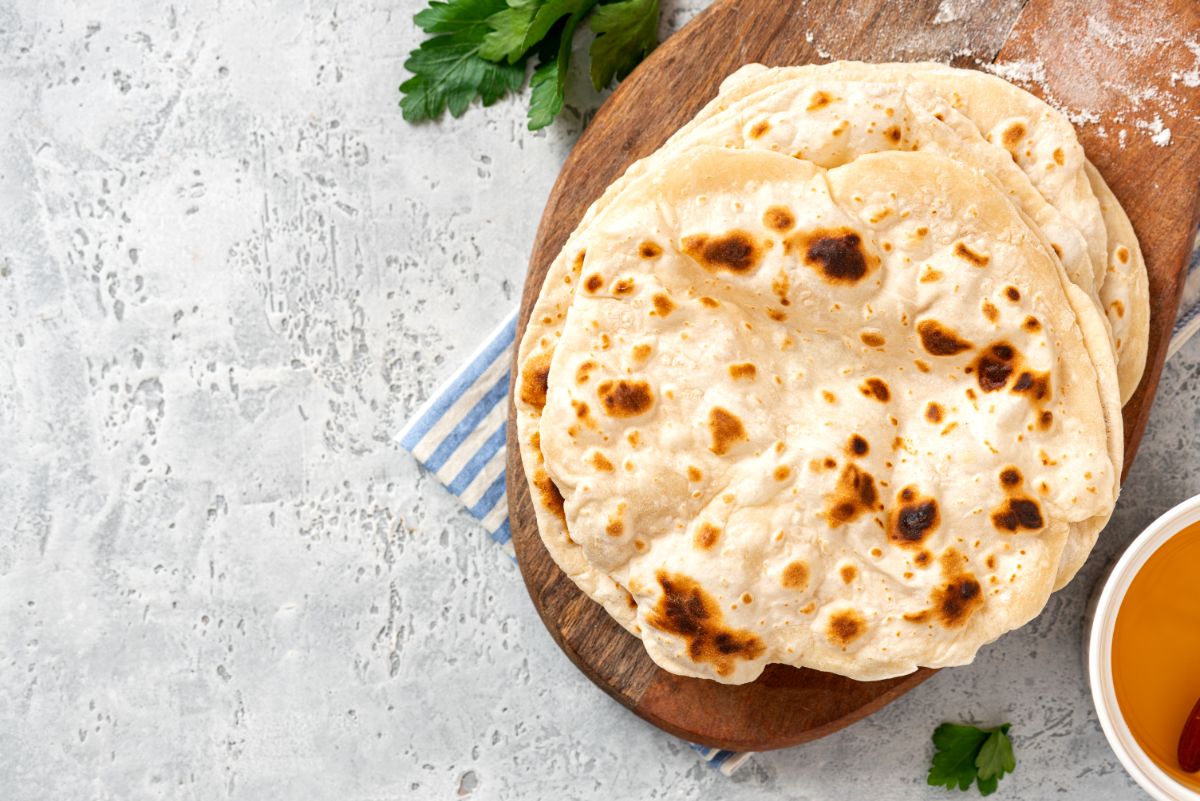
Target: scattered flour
(1148, 107)
(1159, 133)
(1191, 78)
(1020, 71)
(949, 11)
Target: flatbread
(812, 119)
(1041, 141)
(1125, 293)
(674, 422)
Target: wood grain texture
(786, 706)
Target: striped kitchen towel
(458, 434)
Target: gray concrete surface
(228, 272)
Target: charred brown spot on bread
(624, 286)
(577, 265)
(990, 561)
(955, 601)
(777, 314)
(795, 575)
(934, 412)
(1011, 477)
(848, 573)
(1012, 293)
(601, 462)
(892, 132)
(872, 339)
(535, 379)
(549, 495)
(759, 129)
(1032, 324)
(1013, 135)
(583, 413)
(876, 388)
(783, 472)
(711, 303)
(819, 100)
(994, 366)
(1118, 307)
(836, 253)
(781, 285)
(941, 340)
(743, 371)
(990, 311)
(845, 627)
(922, 365)
(649, 250)
(1018, 513)
(853, 496)
(726, 429)
(687, 610)
(779, 218)
(694, 474)
(1059, 157)
(706, 536)
(1122, 254)
(963, 252)
(735, 251)
(828, 396)
(663, 304)
(913, 518)
(593, 283)
(1034, 384)
(1046, 420)
(857, 446)
(583, 372)
(917, 617)
(615, 527)
(922, 559)
(625, 397)
(629, 600)
(641, 352)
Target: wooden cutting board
(1124, 73)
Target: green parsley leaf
(507, 29)
(546, 97)
(479, 49)
(466, 18)
(966, 754)
(549, 82)
(449, 74)
(625, 33)
(525, 23)
(995, 759)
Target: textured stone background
(228, 272)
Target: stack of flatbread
(834, 378)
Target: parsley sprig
(480, 48)
(967, 754)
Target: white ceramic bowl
(1153, 779)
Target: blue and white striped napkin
(458, 434)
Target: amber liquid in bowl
(1156, 650)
